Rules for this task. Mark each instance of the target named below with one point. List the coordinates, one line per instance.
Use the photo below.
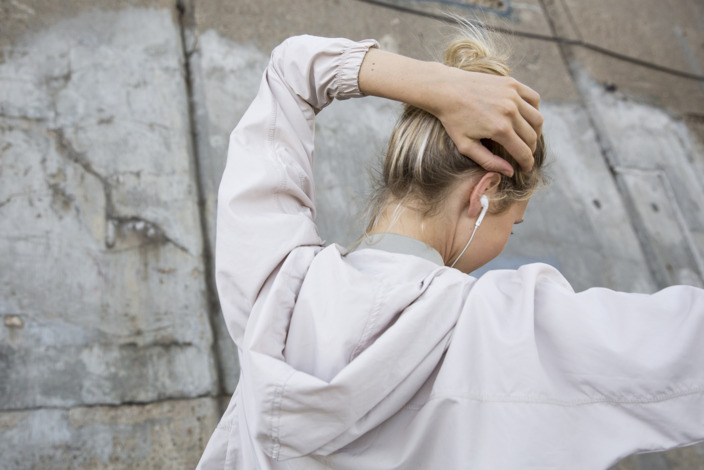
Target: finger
(529, 95)
(475, 150)
(516, 146)
(526, 132)
(532, 116)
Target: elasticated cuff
(346, 81)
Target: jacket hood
(296, 408)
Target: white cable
(465, 247)
(484, 201)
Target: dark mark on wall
(149, 231)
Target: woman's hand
(474, 106)
(471, 106)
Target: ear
(487, 185)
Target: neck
(409, 222)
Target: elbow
(288, 51)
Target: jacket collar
(395, 243)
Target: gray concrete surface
(114, 120)
(101, 236)
(168, 434)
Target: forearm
(392, 76)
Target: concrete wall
(114, 118)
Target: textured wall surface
(114, 122)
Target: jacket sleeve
(266, 196)
(622, 372)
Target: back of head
(422, 162)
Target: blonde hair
(422, 162)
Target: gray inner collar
(395, 243)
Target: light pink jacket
(376, 360)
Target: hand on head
(480, 106)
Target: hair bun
(475, 52)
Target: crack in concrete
(157, 344)
(9, 199)
(66, 148)
(150, 230)
(18, 117)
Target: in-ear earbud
(484, 201)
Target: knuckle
(502, 129)
(465, 148)
(508, 107)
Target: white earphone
(484, 201)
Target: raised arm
(266, 197)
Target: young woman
(388, 357)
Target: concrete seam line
(605, 146)
(211, 289)
(114, 405)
